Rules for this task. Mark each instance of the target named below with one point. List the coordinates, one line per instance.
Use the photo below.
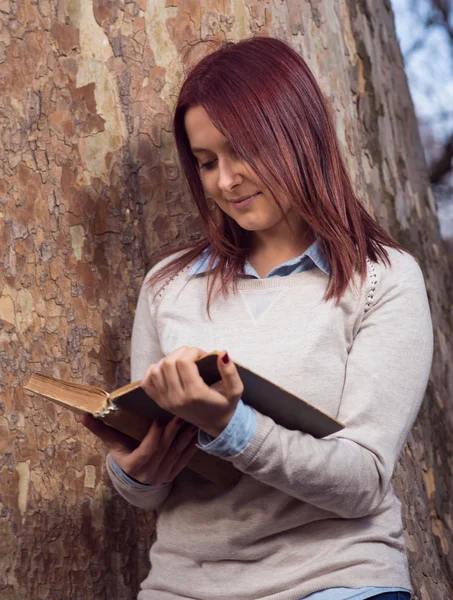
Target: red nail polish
(226, 358)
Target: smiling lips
(244, 201)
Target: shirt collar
(312, 253)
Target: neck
(285, 239)
(271, 248)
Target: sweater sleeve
(348, 473)
(145, 350)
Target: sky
(429, 70)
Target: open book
(130, 410)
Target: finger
(172, 378)
(171, 432)
(154, 382)
(152, 462)
(155, 444)
(113, 439)
(187, 437)
(147, 383)
(159, 378)
(148, 449)
(184, 459)
(234, 387)
(189, 375)
(219, 386)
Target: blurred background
(425, 33)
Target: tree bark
(91, 195)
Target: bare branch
(436, 118)
(442, 14)
(417, 45)
(442, 166)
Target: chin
(250, 226)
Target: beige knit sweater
(307, 514)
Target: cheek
(208, 181)
(254, 177)
(283, 204)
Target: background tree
(91, 195)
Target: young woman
(296, 281)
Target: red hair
(261, 95)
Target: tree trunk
(91, 195)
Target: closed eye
(208, 165)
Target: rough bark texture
(91, 195)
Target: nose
(229, 174)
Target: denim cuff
(235, 437)
(130, 481)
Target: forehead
(201, 131)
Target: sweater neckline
(246, 283)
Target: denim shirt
(242, 427)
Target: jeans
(392, 596)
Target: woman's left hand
(175, 384)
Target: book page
(77, 397)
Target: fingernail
(226, 358)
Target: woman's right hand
(158, 458)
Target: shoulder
(403, 268)
(164, 262)
(403, 277)
(158, 281)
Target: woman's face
(227, 179)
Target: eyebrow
(200, 150)
(195, 149)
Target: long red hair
(261, 95)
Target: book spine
(107, 410)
